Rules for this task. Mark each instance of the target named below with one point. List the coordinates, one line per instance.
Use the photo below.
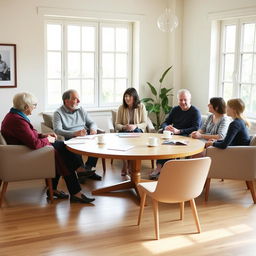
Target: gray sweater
(65, 122)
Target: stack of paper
(120, 147)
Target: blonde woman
(237, 134)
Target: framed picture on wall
(8, 66)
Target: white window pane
(227, 91)
(228, 67)
(54, 65)
(73, 65)
(121, 85)
(248, 37)
(245, 95)
(74, 84)
(88, 65)
(121, 39)
(108, 39)
(88, 91)
(88, 38)
(53, 37)
(108, 90)
(246, 70)
(121, 65)
(254, 69)
(73, 38)
(108, 65)
(54, 92)
(253, 104)
(230, 38)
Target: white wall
(196, 44)
(21, 25)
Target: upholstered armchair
(20, 163)
(235, 163)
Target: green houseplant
(159, 104)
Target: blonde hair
(23, 99)
(238, 106)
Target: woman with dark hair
(237, 134)
(131, 117)
(216, 125)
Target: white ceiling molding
(234, 13)
(85, 14)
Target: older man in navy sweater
(182, 120)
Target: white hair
(21, 100)
(184, 91)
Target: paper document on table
(87, 137)
(120, 147)
(175, 142)
(128, 135)
(73, 141)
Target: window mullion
(237, 59)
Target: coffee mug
(167, 134)
(152, 141)
(101, 139)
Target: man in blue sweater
(182, 120)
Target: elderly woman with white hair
(17, 130)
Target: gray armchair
(19, 163)
(47, 126)
(236, 163)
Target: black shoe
(95, 176)
(86, 174)
(84, 199)
(58, 194)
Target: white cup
(167, 134)
(152, 141)
(101, 139)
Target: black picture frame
(8, 73)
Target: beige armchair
(235, 163)
(179, 181)
(19, 163)
(47, 126)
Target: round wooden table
(114, 147)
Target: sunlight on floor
(178, 242)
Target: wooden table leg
(132, 183)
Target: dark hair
(132, 92)
(66, 95)
(219, 104)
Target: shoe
(86, 174)
(84, 199)
(154, 175)
(95, 176)
(58, 194)
(123, 173)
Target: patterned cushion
(48, 120)
(253, 141)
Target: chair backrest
(2, 140)
(182, 180)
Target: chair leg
(142, 204)
(152, 164)
(49, 183)
(182, 210)
(104, 165)
(194, 211)
(251, 187)
(207, 188)
(0, 183)
(247, 185)
(112, 160)
(4, 188)
(156, 217)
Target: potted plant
(159, 104)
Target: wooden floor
(31, 226)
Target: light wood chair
(179, 181)
(19, 163)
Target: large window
(238, 62)
(91, 57)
